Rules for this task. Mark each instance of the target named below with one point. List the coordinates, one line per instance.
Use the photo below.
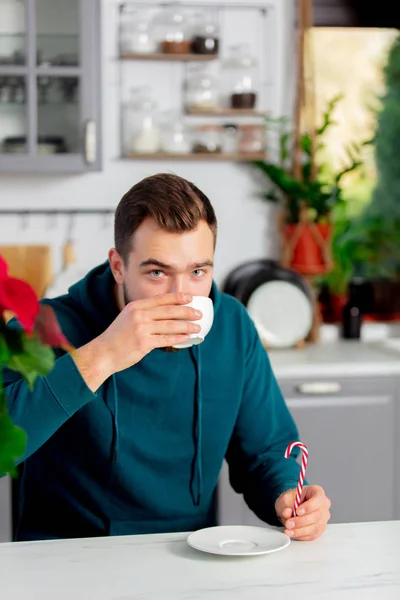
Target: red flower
(49, 330)
(18, 297)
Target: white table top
(357, 561)
(336, 359)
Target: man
(127, 435)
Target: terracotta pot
(338, 303)
(309, 252)
(331, 305)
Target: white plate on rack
(238, 540)
(282, 312)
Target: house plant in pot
(333, 286)
(26, 347)
(308, 196)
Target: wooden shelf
(171, 57)
(226, 112)
(217, 157)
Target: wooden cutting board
(30, 263)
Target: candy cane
(302, 471)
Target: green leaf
(4, 350)
(35, 360)
(12, 440)
(48, 329)
(13, 336)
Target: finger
(297, 534)
(309, 534)
(286, 514)
(308, 519)
(170, 311)
(312, 504)
(298, 525)
(163, 300)
(166, 341)
(172, 327)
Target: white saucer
(238, 540)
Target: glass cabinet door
(12, 33)
(57, 28)
(13, 81)
(58, 33)
(49, 79)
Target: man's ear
(117, 265)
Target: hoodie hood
(94, 298)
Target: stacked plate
(279, 300)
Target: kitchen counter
(347, 562)
(336, 358)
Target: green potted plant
(333, 286)
(26, 349)
(308, 199)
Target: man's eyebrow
(203, 263)
(153, 262)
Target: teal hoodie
(143, 454)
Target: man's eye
(198, 272)
(156, 273)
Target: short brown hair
(174, 203)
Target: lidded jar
(241, 78)
(172, 30)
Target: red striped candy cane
(302, 471)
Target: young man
(128, 435)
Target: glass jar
(229, 138)
(136, 35)
(172, 30)
(201, 89)
(205, 34)
(241, 75)
(141, 130)
(207, 139)
(175, 136)
(251, 139)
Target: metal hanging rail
(56, 211)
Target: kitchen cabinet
(350, 426)
(5, 509)
(50, 86)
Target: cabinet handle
(319, 388)
(90, 142)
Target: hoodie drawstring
(112, 404)
(196, 482)
(116, 429)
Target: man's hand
(157, 322)
(313, 513)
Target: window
(349, 61)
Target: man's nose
(178, 284)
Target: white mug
(205, 305)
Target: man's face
(161, 262)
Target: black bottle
(351, 321)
